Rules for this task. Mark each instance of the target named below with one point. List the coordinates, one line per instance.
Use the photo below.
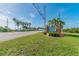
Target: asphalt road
(4, 36)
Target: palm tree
(61, 24)
(50, 23)
(23, 24)
(17, 23)
(57, 23)
(29, 24)
(20, 24)
(14, 19)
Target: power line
(37, 8)
(59, 16)
(40, 12)
(44, 15)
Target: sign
(51, 29)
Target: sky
(69, 13)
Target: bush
(4, 29)
(72, 30)
(55, 34)
(44, 33)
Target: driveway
(4, 36)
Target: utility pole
(43, 15)
(7, 23)
(45, 27)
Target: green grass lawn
(39, 44)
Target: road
(4, 36)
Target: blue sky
(27, 12)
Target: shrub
(72, 30)
(55, 34)
(44, 33)
(4, 29)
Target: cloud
(3, 21)
(61, 10)
(11, 24)
(9, 12)
(32, 15)
(24, 19)
(3, 11)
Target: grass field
(39, 44)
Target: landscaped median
(40, 44)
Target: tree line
(21, 25)
(71, 30)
